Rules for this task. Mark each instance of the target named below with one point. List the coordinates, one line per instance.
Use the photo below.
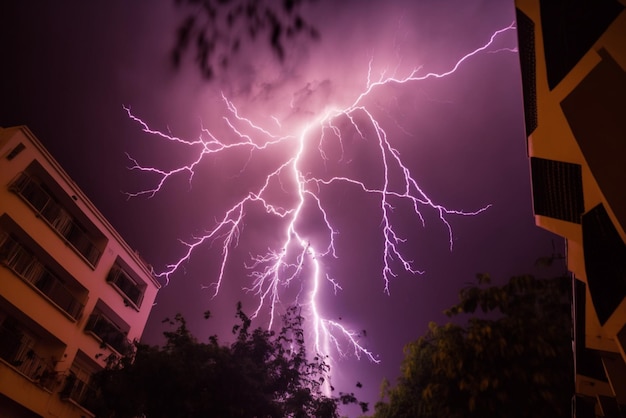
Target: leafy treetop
(515, 359)
(261, 374)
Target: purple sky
(68, 70)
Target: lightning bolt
(298, 258)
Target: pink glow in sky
(72, 68)
(302, 243)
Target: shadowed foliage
(515, 359)
(215, 30)
(261, 374)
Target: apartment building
(573, 61)
(72, 292)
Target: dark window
(588, 362)
(130, 289)
(10, 340)
(17, 349)
(78, 386)
(30, 269)
(108, 332)
(570, 28)
(526, 41)
(605, 262)
(557, 189)
(609, 406)
(18, 148)
(596, 113)
(40, 199)
(78, 389)
(583, 407)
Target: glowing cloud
(296, 183)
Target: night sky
(69, 68)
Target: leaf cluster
(513, 354)
(261, 374)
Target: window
(17, 258)
(78, 387)
(587, 361)
(126, 285)
(17, 348)
(595, 114)
(605, 262)
(570, 29)
(526, 40)
(39, 198)
(15, 151)
(583, 407)
(108, 332)
(557, 189)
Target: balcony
(26, 266)
(24, 359)
(56, 216)
(77, 390)
(109, 333)
(130, 290)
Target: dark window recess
(609, 406)
(570, 28)
(583, 407)
(108, 332)
(31, 270)
(15, 151)
(19, 353)
(595, 112)
(588, 362)
(605, 262)
(557, 189)
(526, 41)
(129, 288)
(56, 216)
(78, 390)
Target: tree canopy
(261, 374)
(514, 359)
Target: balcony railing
(78, 390)
(108, 332)
(129, 288)
(28, 268)
(24, 359)
(56, 216)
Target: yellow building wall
(19, 295)
(553, 139)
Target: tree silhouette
(515, 359)
(261, 374)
